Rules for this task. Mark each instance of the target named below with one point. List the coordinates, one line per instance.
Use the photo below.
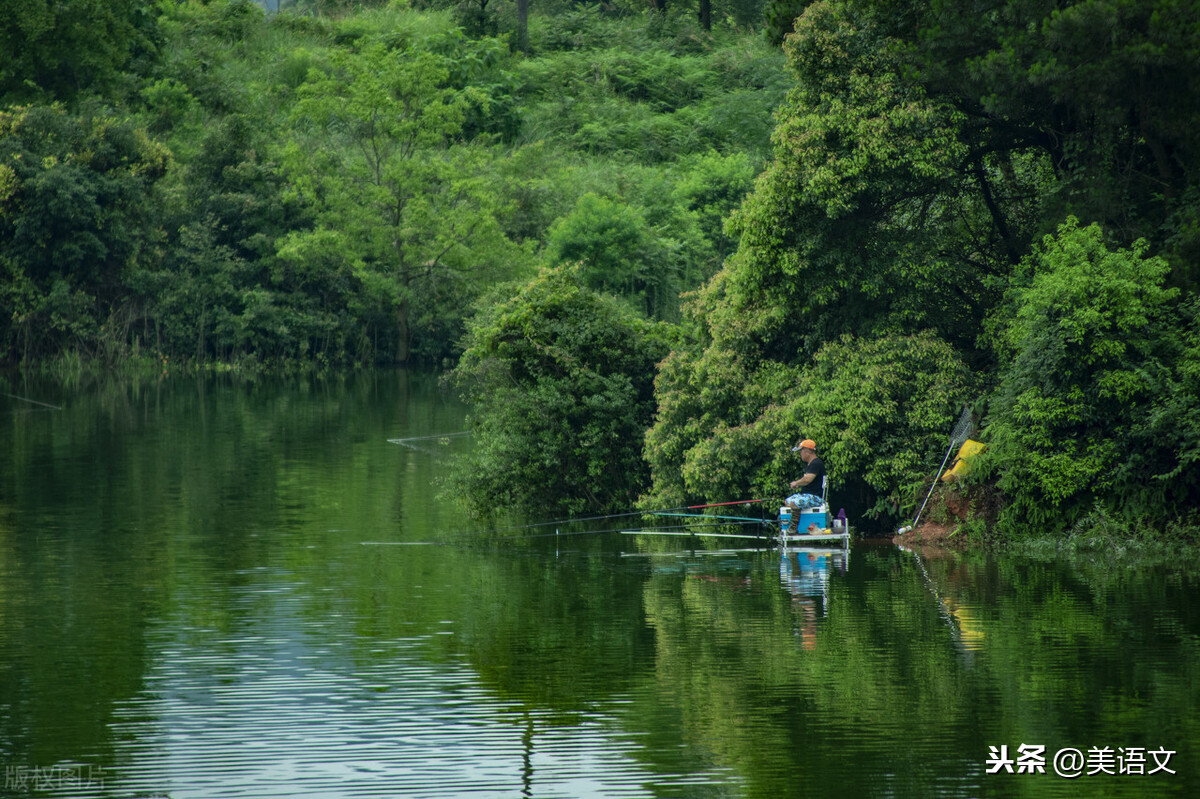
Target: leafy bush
(649, 103)
(712, 186)
(76, 215)
(1097, 385)
(880, 410)
(59, 51)
(560, 380)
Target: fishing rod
(705, 516)
(698, 535)
(608, 530)
(32, 401)
(663, 511)
(477, 537)
(670, 530)
(722, 504)
(459, 434)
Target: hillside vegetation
(995, 209)
(210, 182)
(876, 213)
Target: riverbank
(1103, 538)
(72, 367)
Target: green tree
(860, 225)
(646, 255)
(76, 216)
(560, 379)
(779, 18)
(374, 155)
(1102, 90)
(712, 186)
(238, 193)
(878, 408)
(1089, 338)
(192, 299)
(58, 50)
(923, 151)
(616, 248)
(235, 178)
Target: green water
(220, 588)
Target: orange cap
(807, 443)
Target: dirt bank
(930, 533)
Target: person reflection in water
(806, 577)
(808, 624)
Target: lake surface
(231, 588)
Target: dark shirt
(816, 467)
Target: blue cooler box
(809, 517)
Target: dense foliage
(878, 408)
(73, 47)
(561, 381)
(76, 217)
(1095, 400)
(958, 205)
(338, 183)
(929, 166)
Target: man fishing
(811, 485)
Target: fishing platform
(801, 538)
(800, 525)
(762, 540)
(794, 527)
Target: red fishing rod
(735, 502)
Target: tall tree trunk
(200, 337)
(705, 14)
(402, 332)
(523, 25)
(660, 6)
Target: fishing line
(459, 434)
(401, 543)
(703, 516)
(598, 532)
(565, 522)
(605, 517)
(662, 512)
(698, 535)
(35, 402)
(664, 530)
(443, 438)
(723, 504)
(679, 530)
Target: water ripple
(284, 710)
